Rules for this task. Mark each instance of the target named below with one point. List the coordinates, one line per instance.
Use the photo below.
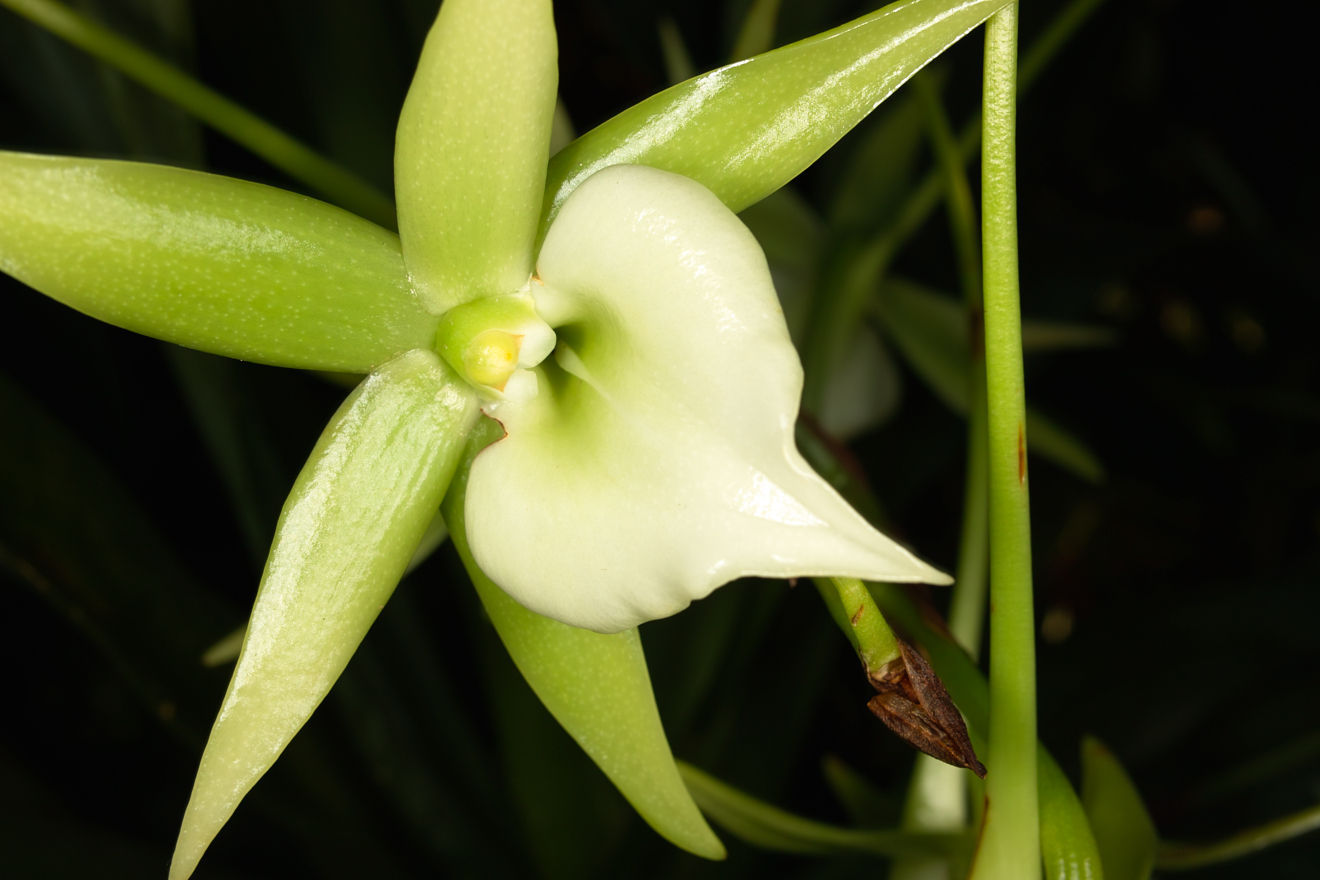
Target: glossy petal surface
(213, 263)
(657, 461)
(356, 514)
(471, 149)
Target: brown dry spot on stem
(912, 702)
(857, 615)
(1022, 454)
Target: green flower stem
(860, 619)
(279, 149)
(1175, 856)
(1010, 836)
(765, 826)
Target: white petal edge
(657, 460)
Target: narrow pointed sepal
(356, 514)
(209, 262)
(659, 447)
(471, 149)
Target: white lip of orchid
(495, 342)
(659, 449)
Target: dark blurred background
(1167, 197)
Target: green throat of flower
(494, 342)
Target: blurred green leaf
(235, 435)
(931, 332)
(1067, 843)
(765, 826)
(543, 770)
(1040, 335)
(1051, 441)
(678, 63)
(879, 169)
(1123, 829)
(757, 33)
(398, 706)
(866, 804)
(100, 563)
(1181, 856)
(174, 85)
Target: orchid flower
(617, 322)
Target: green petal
(598, 688)
(747, 129)
(213, 263)
(355, 515)
(473, 138)
(660, 444)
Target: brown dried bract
(912, 702)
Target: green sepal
(471, 148)
(596, 686)
(353, 520)
(746, 129)
(1124, 831)
(209, 262)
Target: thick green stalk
(279, 149)
(1010, 838)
